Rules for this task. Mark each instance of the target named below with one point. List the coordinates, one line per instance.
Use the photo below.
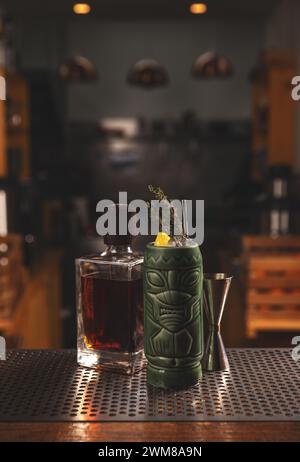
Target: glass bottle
(109, 291)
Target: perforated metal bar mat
(47, 385)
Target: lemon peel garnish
(162, 239)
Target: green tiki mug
(173, 278)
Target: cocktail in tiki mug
(173, 278)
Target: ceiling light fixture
(77, 69)
(198, 8)
(82, 8)
(210, 65)
(148, 73)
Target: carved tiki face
(173, 282)
(173, 296)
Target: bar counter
(140, 432)
(45, 396)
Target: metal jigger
(215, 290)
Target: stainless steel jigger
(215, 290)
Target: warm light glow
(198, 8)
(81, 8)
(2, 89)
(3, 214)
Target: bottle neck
(119, 249)
(279, 187)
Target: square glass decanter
(109, 291)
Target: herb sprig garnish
(159, 195)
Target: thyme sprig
(161, 196)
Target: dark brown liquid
(112, 314)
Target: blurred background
(112, 95)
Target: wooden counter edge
(149, 431)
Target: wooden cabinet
(272, 283)
(15, 127)
(18, 126)
(36, 319)
(273, 111)
(3, 165)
